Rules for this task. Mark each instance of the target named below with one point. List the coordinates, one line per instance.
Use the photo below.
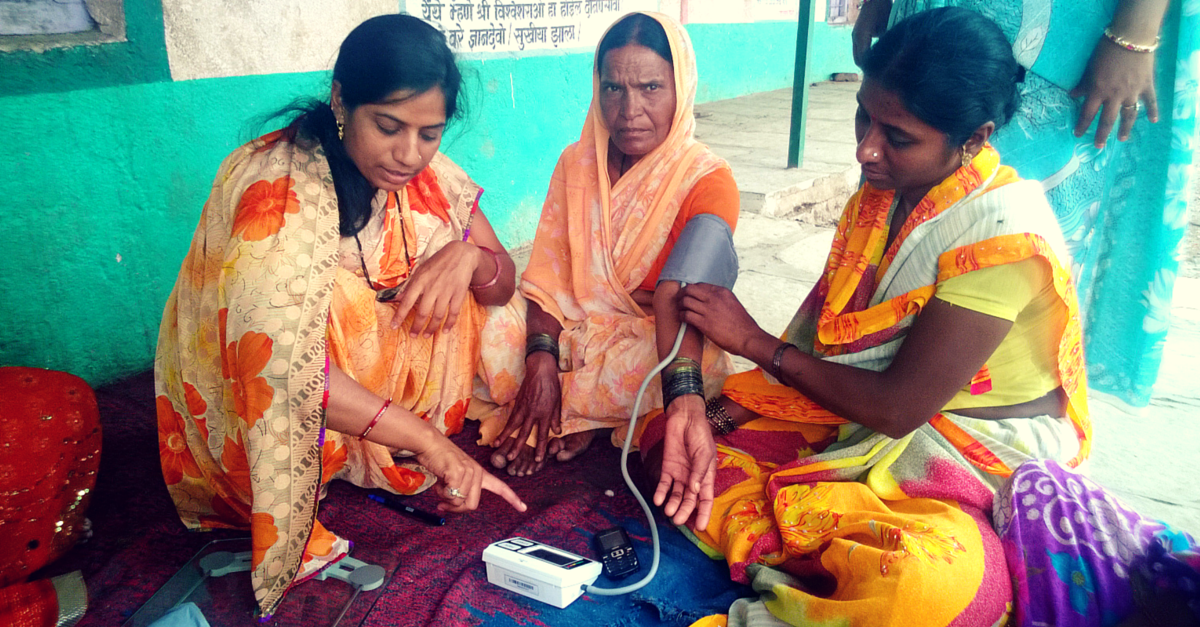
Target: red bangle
(375, 420)
(496, 277)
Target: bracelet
(682, 381)
(777, 360)
(375, 420)
(718, 418)
(684, 361)
(1129, 45)
(541, 342)
(495, 277)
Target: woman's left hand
(435, 292)
(689, 463)
(1115, 79)
(717, 313)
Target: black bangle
(682, 381)
(777, 360)
(541, 342)
(718, 418)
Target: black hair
(636, 28)
(951, 67)
(382, 55)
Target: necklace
(388, 293)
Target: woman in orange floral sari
(326, 321)
(940, 349)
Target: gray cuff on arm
(703, 253)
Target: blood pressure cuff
(703, 254)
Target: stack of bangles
(682, 377)
(541, 342)
(718, 417)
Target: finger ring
(454, 493)
(1135, 106)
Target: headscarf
(596, 241)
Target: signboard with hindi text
(485, 26)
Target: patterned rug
(434, 575)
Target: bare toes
(499, 460)
(574, 444)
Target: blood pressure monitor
(539, 571)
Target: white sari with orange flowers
(269, 296)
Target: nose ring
(874, 155)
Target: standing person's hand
(1115, 81)
(538, 405)
(689, 463)
(461, 480)
(872, 22)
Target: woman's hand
(455, 470)
(538, 403)
(719, 316)
(435, 292)
(872, 21)
(1115, 79)
(689, 463)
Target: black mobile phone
(616, 553)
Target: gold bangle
(1129, 45)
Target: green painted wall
(107, 164)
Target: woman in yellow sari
(594, 320)
(326, 321)
(939, 350)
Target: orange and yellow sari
(596, 243)
(836, 524)
(269, 297)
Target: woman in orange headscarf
(569, 356)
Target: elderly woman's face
(897, 150)
(637, 98)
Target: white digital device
(539, 571)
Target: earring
(341, 130)
(966, 157)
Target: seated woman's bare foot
(525, 463)
(499, 460)
(567, 447)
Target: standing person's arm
(872, 21)
(1118, 77)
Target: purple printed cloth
(1080, 557)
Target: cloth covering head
(620, 227)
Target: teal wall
(107, 163)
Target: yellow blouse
(1024, 366)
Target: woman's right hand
(719, 315)
(538, 404)
(456, 470)
(872, 22)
